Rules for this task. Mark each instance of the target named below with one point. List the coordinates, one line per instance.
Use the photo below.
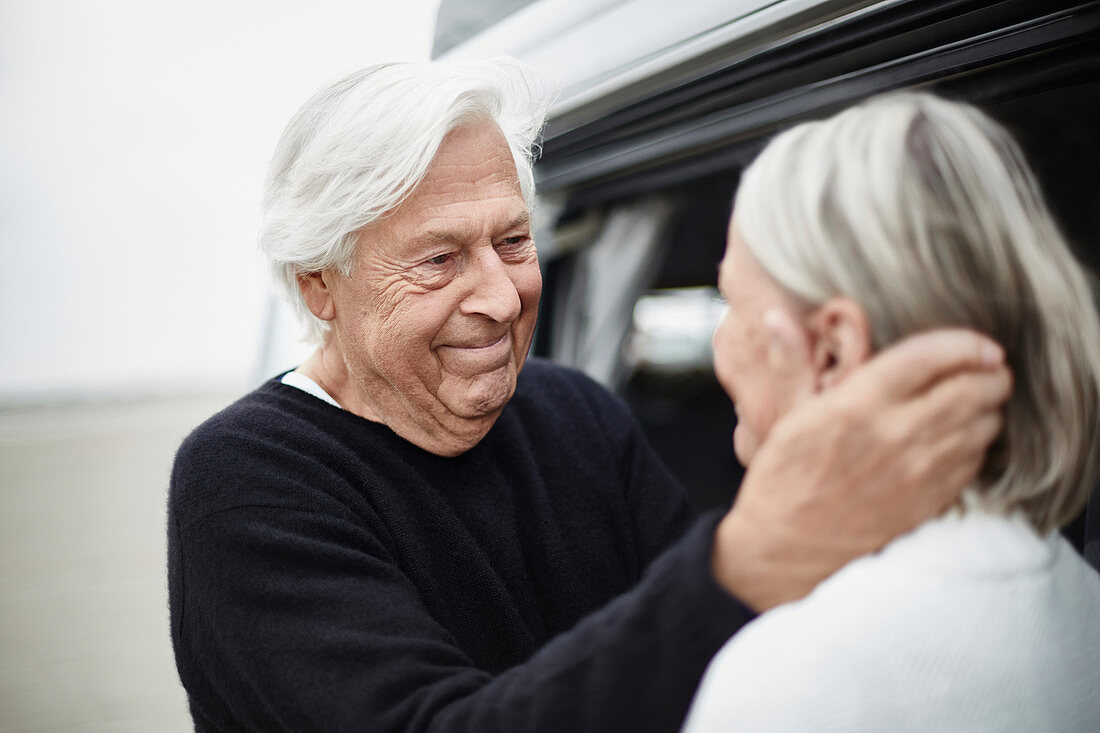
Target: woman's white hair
(925, 212)
(360, 145)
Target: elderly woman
(906, 213)
(420, 529)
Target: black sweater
(325, 574)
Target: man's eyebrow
(447, 236)
(520, 220)
(452, 236)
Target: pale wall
(134, 136)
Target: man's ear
(841, 336)
(316, 289)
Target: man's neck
(326, 367)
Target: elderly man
(413, 531)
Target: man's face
(741, 343)
(435, 321)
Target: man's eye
(514, 244)
(439, 260)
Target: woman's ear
(841, 338)
(316, 289)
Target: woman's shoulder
(907, 635)
(969, 578)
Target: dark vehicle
(663, 104)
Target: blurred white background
(133, 141)
(134, 136)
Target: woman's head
(909, 212)
(359, 146)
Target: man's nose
(492, 291)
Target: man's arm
(850, 469)
(296, 620)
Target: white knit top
(972, 622)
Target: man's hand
(848, 470)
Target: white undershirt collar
(304, 383)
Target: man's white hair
(360, 145)
(925, 212)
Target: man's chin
(483, 396)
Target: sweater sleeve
(300, 621)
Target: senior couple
(421, 529)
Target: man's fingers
(962, 398)
(955, 420)
(961, 452)
(956, 425)
(971, 392)
(913, 364)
